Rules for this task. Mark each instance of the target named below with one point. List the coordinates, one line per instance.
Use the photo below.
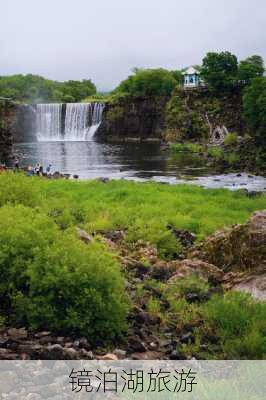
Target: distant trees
(149, 82)
(254, 102)
(34, 88)
(251, 68)
(219, 69)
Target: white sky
(104, 39)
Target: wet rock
(84, 236)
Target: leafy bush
(148, 82)
(52, 280)
(15, 189)
(231, 139)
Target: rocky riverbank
(231, 259)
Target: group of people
(39, 170)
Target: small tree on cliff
(250, 68)
(254, 103)
(219, 70)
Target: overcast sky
(104, 39)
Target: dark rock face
(7, 114)
(197, 114)
(25, 123)
(134, 118)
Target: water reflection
(138, 161)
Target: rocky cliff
(133, 118)
(25, 123)
(188, 114)
(7, 115)
(201, 114)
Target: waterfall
(73, 122)
(49, 122)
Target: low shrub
(231, 139)
(51, 280)
(216, 152)
(191, 147)
(240, 323)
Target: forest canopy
(36, 89)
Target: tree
(148, 82)
(254, 103)
(219, 70)
(251, 68)
(36, 89)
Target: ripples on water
(137, 161)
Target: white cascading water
(49, 122)
(81, 121)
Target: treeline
(220, 71)
(36, 89)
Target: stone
(136, 345)
(203, 269)
(148, 355)
(238, 248)
(185, 237)
(84, 236)
(187, 338)
(17, 334)
(108, 357)
(121, 354)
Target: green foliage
(148, 82)
(231, 139)
(192, 147)
(144, 209)
(251, 68)
(216, 152)
(219, 70)
(52, 280)
(240, 323)
(231, 158)
(36, 89)
(254, 102)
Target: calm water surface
(137, 161)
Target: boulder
(239, 248)
(84, 236)
(194, 266)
